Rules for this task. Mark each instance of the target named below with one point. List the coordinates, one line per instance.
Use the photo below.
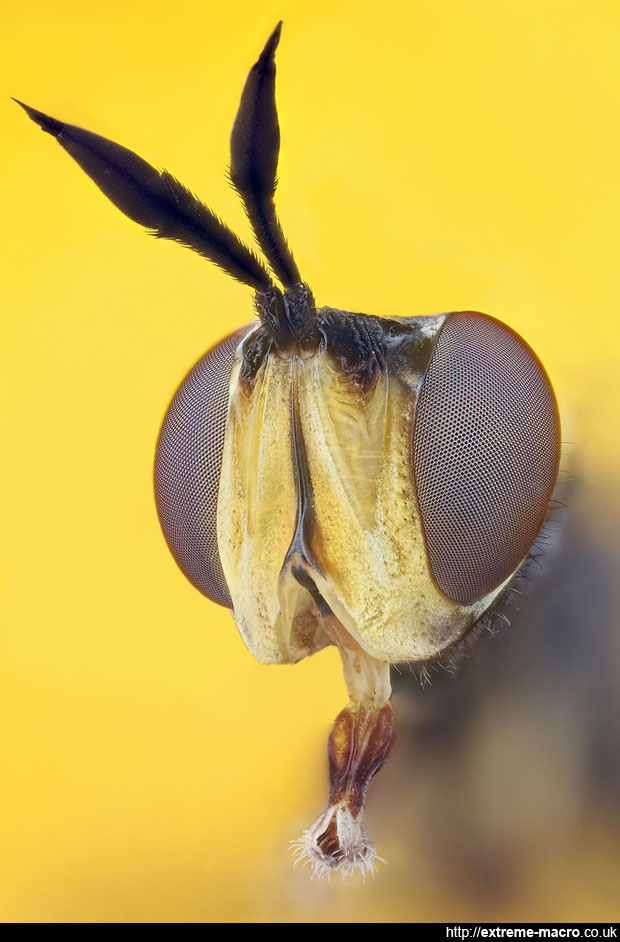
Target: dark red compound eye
(188, 463)
(486, 444)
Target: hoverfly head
(334, 477)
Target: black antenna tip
(51, 125)
(271, 45)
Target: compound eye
(486, 445)
(188, 463)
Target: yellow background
(435, 156)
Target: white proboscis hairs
(357, 854)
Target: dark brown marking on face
(354, 345)
(255, 349)
(306, 523)
(361, 347)
(411, 347)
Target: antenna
(254, 149)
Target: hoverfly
(334, 477)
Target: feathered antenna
(254, 149)
(155, 199)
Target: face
(334, 477)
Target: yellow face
(364, 547)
